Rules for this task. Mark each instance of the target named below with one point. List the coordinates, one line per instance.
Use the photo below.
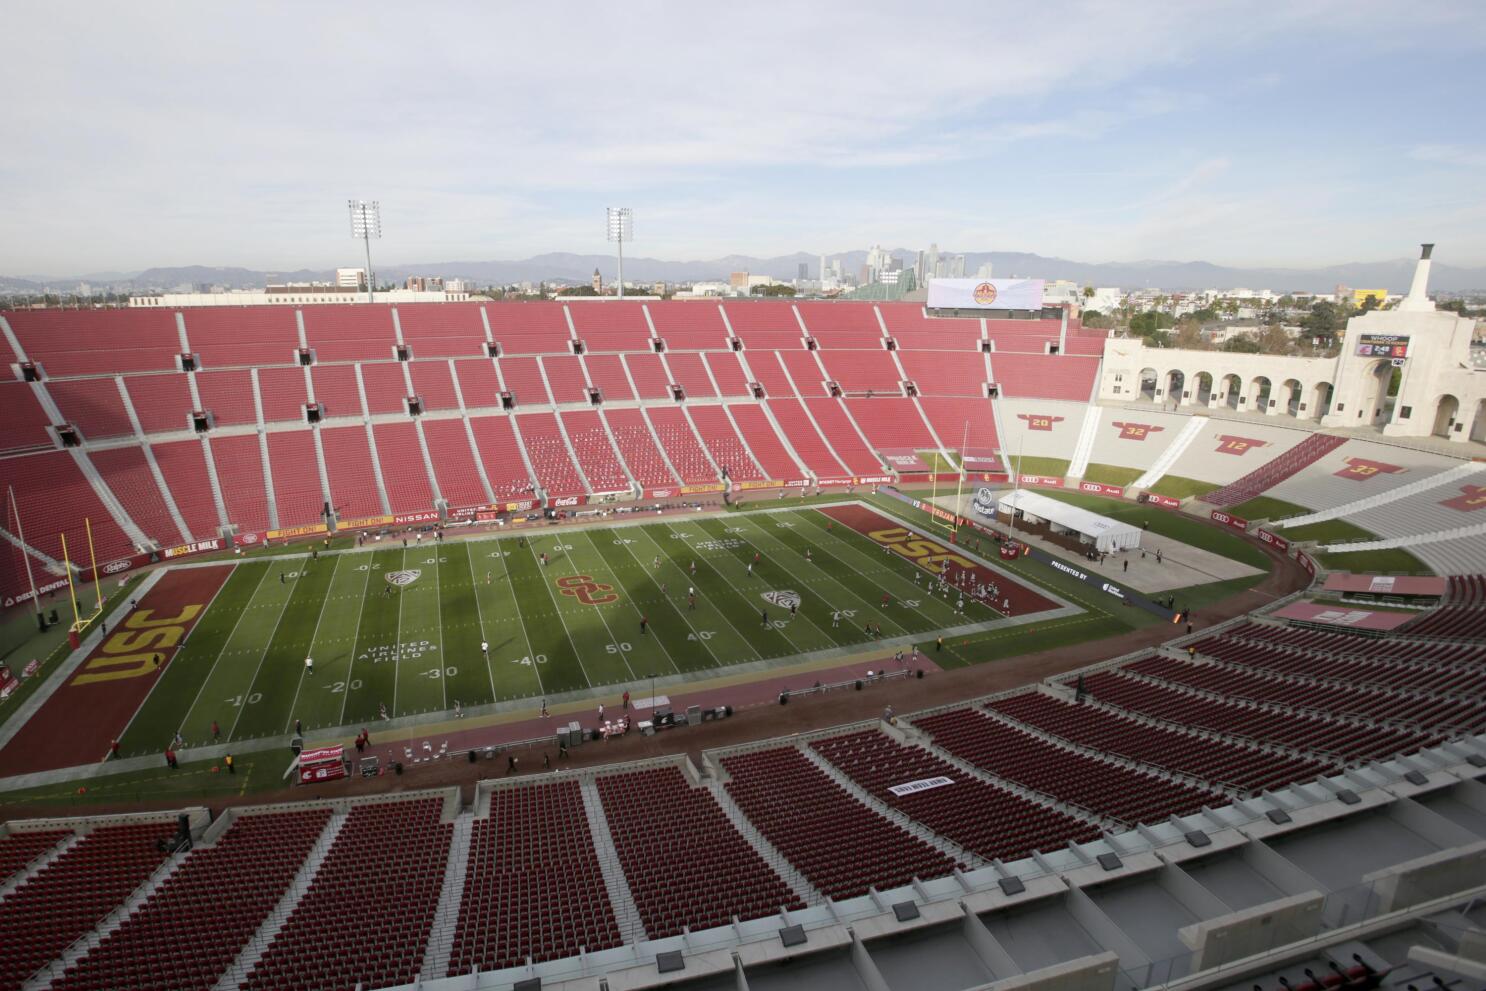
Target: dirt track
(770, 720)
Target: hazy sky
(1301, 133)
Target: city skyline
(1320, 135)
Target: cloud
(1470, 158)
(137, 136)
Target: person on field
(216, 731)
(170, 760)
(644, 622)
(113, 748)
(309, 665)
(485, 648)
(298, 727)
(624, 700)
(231, 764)
(835, 619)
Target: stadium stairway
(784, 441)
(949, 848)
(40, 862)
(797, 882)
(531, 472)
(1275, 471)
(626, 912)
(925, 740)
(213, 480)
(154, 466)
(1084, 449)
(108, 924)
(469, 432)
(1447, 477)
(446, 917)
(250, 954)
(433, 477)
(106, 496)
(1168, 457)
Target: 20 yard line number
(337, 687)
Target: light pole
(366, 223)
(621, 228)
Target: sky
(1301, 134)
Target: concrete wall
(1095, 973)
(1240, 934)
(1429, 877)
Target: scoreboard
(1383, 345)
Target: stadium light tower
(621, 229)
(366, 223)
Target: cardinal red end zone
(96, 702)
(935, 557)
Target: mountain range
(1393, 275)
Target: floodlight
(366, 223)
(621, 228)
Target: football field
(399, 629)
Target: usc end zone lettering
(123, 655)
(927, 553)
(583, 587)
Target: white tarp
(985, 294)
(1107, 535)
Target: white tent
(1104, 533)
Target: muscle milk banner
(985, 294)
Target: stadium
(743, 644)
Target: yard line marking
(560, 618)
(715, 659)
(297, 688)
(176, 659)
(784, 631)
(210, 674)
(480, 621)
(355, 639)
(639, 615)
(266, 647)
(438, 606)
(823, 574)
(397, 637)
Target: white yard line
(560, 618)
(397, 641)
(355, 643)
(691, 583)
(200, 616)
(694, 632)
(438, 607)
(218, 660)
(254, 680)
(638, 615)
(299, 687)
(485, 637)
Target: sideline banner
(1165, 502)
(1274, 540)
(1098, 488)
(985, 294)
(1237, 522)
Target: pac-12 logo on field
(783, 599)
(402, 579)
(985, 294)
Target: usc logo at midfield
(583, 587)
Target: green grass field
(1267, 508)
(1179, 488)
(1051, 467)
(1387, 561)
(1111, 474)
(572, 624)
(1329, 532)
